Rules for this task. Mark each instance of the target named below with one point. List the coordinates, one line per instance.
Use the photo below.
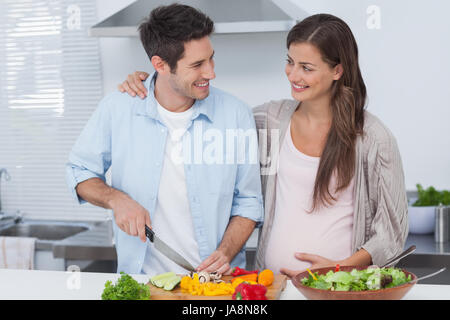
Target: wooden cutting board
(273, 291)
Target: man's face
(194, 70)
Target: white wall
(405, 65)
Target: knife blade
(166, 250)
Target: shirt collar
(148, 108)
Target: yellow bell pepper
(237, 281)
(194, 287)
(185, 282)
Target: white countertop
(59, 285)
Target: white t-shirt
(172, 220)
(326, 232)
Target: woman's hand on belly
(315, 260)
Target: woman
(338, 195)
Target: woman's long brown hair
(335, 41)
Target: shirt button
(157, 164)
(162, 130)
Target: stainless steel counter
(428, 257)
(79, 239)
(62, 243)
(425, 244)
(93, 244)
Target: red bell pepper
(239, 272)
(246, 291)
(337, 268)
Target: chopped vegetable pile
(247, 285)
(195, 287)
(252, 284)
(126, 288)
(357, 280)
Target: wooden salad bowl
(395, 293)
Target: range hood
(229, 16)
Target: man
(205, 209)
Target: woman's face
(310, 77)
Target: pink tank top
(326, 232)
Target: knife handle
(149, 233)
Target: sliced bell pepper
(239, 271)
(237, 281)
(248, 277)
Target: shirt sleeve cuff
(251, 209)
(378, 251)
(75, 176)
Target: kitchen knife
(167, 251)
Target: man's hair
(165, 31)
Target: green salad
(357, 280)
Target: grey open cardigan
(380, 223)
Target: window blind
(50, 77)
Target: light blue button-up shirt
(127, 134)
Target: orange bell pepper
(266, 277)
(247, 277)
